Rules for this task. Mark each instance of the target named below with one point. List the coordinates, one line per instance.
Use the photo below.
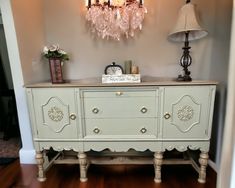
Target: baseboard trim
(213, 165)
(27, 156)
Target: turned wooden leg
(203, 160)
(40, 161)
(158, 156)
(83, 166)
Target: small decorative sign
(124, 78)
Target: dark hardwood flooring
(16, 175)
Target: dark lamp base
(185, 78)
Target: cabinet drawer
(120, 107)
(142, 127)
(117, 93)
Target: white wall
(226, 176)
(17, 80)
(150, 49)
(28, 21)
(29, 24)
(218, 70)
(24, 36)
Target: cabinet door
(55, 113)
(187, 112)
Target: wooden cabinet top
(145, 81)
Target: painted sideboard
(154, 115)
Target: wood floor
(115, 176)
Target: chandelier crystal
(115, 18)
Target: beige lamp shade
(187, 21)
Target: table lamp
(186, 29)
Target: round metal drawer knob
(143, 130)
(72, 116)
(96, 130)
(167, 116)
(95, 110)
(119, 93)
(144, 110)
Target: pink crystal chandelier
(115, 18)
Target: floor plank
(18, 175)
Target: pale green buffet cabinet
(155, 115)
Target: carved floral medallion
(185, 113)
(55, 114)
